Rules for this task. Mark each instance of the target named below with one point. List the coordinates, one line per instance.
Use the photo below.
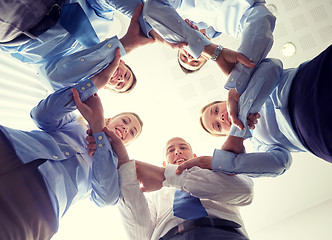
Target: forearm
(256, 42)
(127, 7)
(263, 82)
(271, 163)
(105, 178)
(204, 183)
(72, 68)
(133, 205)
(51, 112)
(168, 24)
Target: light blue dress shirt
(248, 20)
(56, 44)
(273, 136)
(69, 172)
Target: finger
(90, 139)
(251, 117)
(251, 125)
(77, 99)
(113, 137)
(91, 152)
(116, 60)
(238, 124)
(184, 166)
(257, 115)
(89, 132)
(179, 45)
(245, 61)
(91, 146)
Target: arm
(274, 160)
(169, 25)
(135, 211)
(256, 42)
(203, 183)
(55, 111)
(126, 7)
(262, 84)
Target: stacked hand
(150, 176)
(92, 110)
(134, 36)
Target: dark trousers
(26, 211)
(310, 105)
(208, 233)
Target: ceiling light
(288, 49)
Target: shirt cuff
(171, 178)
(85, 89)
(127, 173)
(102, 141)
(222, 161)
(238, 78)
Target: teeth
(179, 160)
(118, 132)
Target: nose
(223, 117)
(177, 151)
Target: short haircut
(201, 119)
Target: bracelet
(216, 53)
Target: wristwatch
(216, 53)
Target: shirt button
(82, 88)
(251, 100)
(100, 145)
(238, 83)
(67, 153)
(109, 45)
(55, 157)
(220, 167)
(199, 40)
(100, 137)
(179, 21)
(250, 59)
(232, 80)
(88, 85)
(82, 59)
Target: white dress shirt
(150, 215)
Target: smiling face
(189, 62)
(122, 79)
(178, 151)
(126, 126)
(215, 119)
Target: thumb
(137, 13)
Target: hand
(134, 36)
(118, 147)
(232, 109)
(202, 162)
(102, 78)
(159, 39)
(228, 58)
(150, 176)
(192, 25)
(92, 110)
(234, 144)
(92, 146)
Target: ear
(164, 164)
(195, 155)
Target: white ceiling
(169, 102)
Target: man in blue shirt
(295, 109)
(61, 56)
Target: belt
(201, 222)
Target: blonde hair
(201, 119)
